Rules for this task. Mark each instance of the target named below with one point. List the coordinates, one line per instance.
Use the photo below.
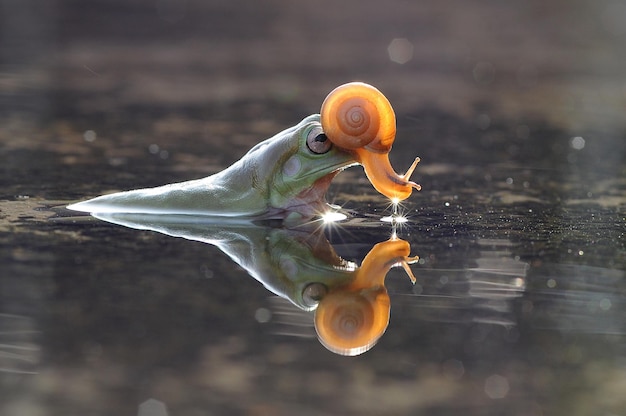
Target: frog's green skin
(278, 178)
(285, 261)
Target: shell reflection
(350, 323)
(353, 317)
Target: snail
(351, 318)
(358, 118)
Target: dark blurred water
(516, 109)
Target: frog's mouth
(312, 201)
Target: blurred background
(560, 60)
(515, 107)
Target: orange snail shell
(353, 115)
(350, 323)
(359, 119)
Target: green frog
(286, 176)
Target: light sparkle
(333, 216)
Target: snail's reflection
(351, 303)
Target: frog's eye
(313, 293)
(317, 142)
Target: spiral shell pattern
(357, 115)
(349, 323)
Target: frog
(286, 176)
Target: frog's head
(304, 165)
(304, 266)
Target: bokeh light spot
(577, 143)
(400, 50)
(484, 73)
(496, 387)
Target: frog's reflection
(351, 303)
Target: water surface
(516, 110)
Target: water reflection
(352, 317)
(578, 299)
(481, 294)
(487, 323)
(351, 303)
(19, 352)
